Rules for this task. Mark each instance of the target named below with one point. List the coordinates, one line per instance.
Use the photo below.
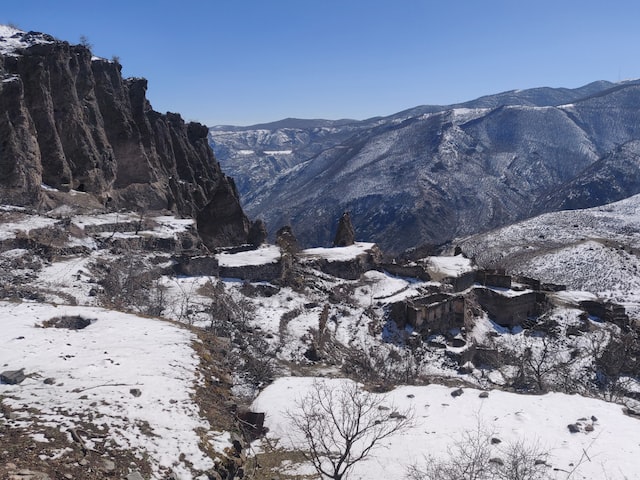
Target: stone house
(493, 278)
(509, 308)
(434, 313)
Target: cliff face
(71, 122)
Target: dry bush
(478, 455)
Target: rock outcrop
(346, 234)
(69, 121)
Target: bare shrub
(616, 361)
(539, 365)
(476, 456)
(385, 366)
(341, 426)
(126, 283)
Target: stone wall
(350, 269)
(493, 278)
(508, 310)
(435, 313)
(412, 271)
(461, 282)
(202, 265)
(607, 312)
(253, 273)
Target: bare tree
(477, 456)
(541, 364)
(342, 425)
(616, 362)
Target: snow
(261, 256)
(25, 224)
(94, 370)
(450, 266)
(574, 296)
(337, 254)
(12, 39)
(441, 419)
(278, 152)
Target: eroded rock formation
(69, 121)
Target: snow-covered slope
(152, 390)
(432, 173)
(594, 249)
(606, 449)
(126, 382)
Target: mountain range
(433, 173)
(136, 346)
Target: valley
(447, 289)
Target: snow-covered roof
(449, 266)
(337, 254)
(261, 256)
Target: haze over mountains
(432, 173)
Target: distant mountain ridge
(432, 173)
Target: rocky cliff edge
(69, 122)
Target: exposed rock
(573, 428)
(12, 377)
(252, 423)
(136, 392)
(29, 475)
(397, 416)
(134, 476)
(70, 121)
(108, 465)
(257, 233)
(484, 395)
(457, 392)
(346, 234)
(286, 240)
(73, 322)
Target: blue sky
(248, 61)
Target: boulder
(257, 233)
(12, 377)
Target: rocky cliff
(70, 122)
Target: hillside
(430, 174)
(594, 249)
(150, 334)
(137, 357)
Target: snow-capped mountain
(432, 173)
